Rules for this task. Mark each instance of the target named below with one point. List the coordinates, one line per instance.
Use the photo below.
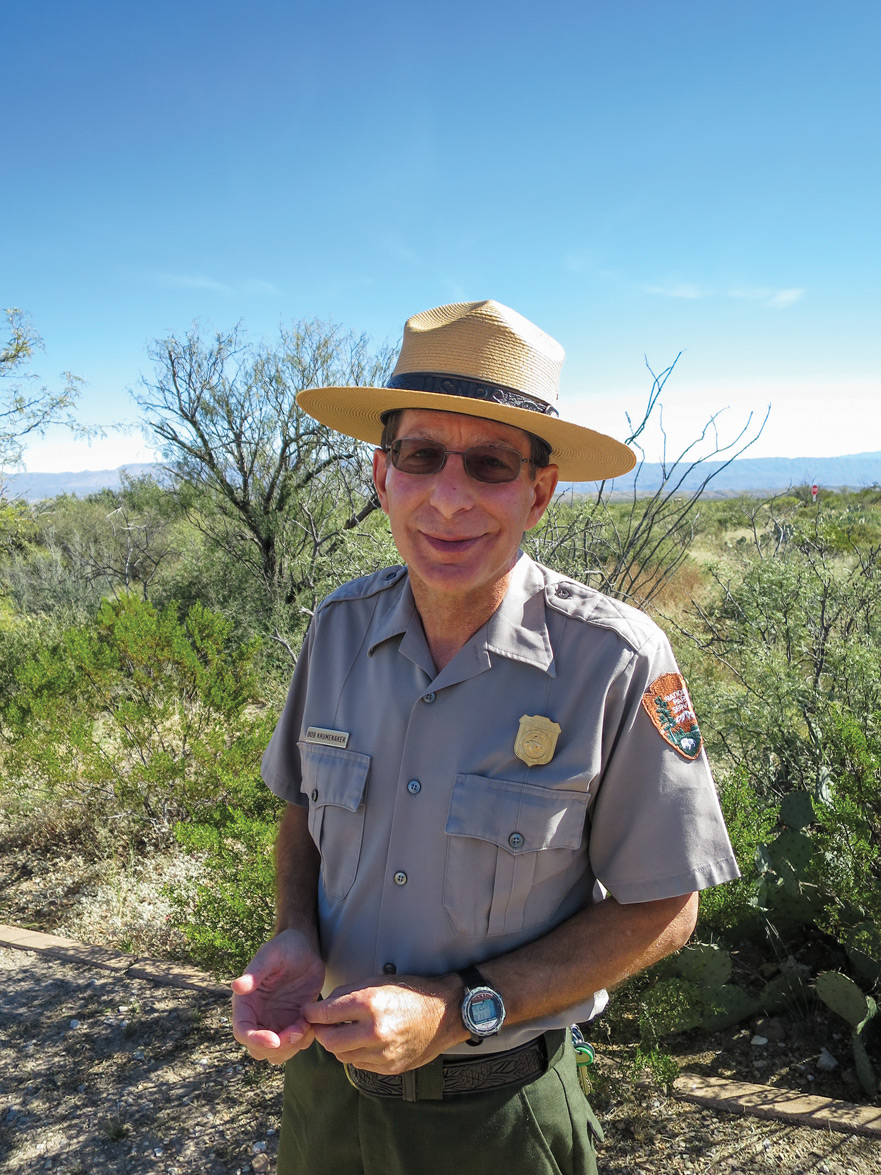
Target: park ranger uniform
(464, 813)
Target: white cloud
(776, 299)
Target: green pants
(545, 1127)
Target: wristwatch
(483, 1009)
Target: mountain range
(747, 475)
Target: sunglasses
(494, 464)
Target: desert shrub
(140, 716)
(229, 912)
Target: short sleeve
(280, 766)
(656, 829)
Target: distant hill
(761, 475)
(748, 475)
(36, 486)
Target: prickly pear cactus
(781, 992)
(797, 810)
(844, 997)
(794, 903)
(731, 1004)
(704, 964)
(795, 849)
(863, 1065)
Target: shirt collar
(516, 630)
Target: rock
(258, 1148)
(772, 1027)
(260, 1163)
(758, 1041)
(826, 1061)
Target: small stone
(260, 1163)
(257, 1148)
(757, 1041)
(74, 1023)
(826, 1061)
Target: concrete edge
(785, 1105)
(68, 949)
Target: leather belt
(452, 1076)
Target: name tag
(333, 738)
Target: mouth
(451, 545)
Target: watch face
(483, 1011)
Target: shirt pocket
(334, 782)
(514, 851)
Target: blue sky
(638, 178)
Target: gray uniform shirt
(440, 846)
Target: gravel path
(104, 1073)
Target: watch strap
(472, 978)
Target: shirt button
(390, 574)
(389, 969)
(429, 697)
(314, 794)
(414, 787)
(515, 840)
(400, 878)
(563, 592)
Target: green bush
(142, 715)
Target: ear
(380, 473)
(543, 491)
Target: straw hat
(477, 359)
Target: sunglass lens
(417, 456)
(492, 463)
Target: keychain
(584, 1056)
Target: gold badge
(536, 739)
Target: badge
(331, 738)
(536, 739)
(667, 703)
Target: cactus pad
(797, 810)
(706, 965)
(844, 997)
(731, 1004)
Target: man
(498, 802)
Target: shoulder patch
(667, 703)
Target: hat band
(472, 389)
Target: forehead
(455, 428)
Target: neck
(450, 621)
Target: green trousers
(545, 1127)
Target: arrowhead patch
(667, 703)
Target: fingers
(275, 1047)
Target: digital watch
(483, 1010)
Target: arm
(287, 972)
(390, 1026)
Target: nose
(452, 488)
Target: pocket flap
(331, 775)
(518, 817)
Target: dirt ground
(101, 1072)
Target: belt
(452, 1076)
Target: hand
(389, 1025)
(268, 998)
